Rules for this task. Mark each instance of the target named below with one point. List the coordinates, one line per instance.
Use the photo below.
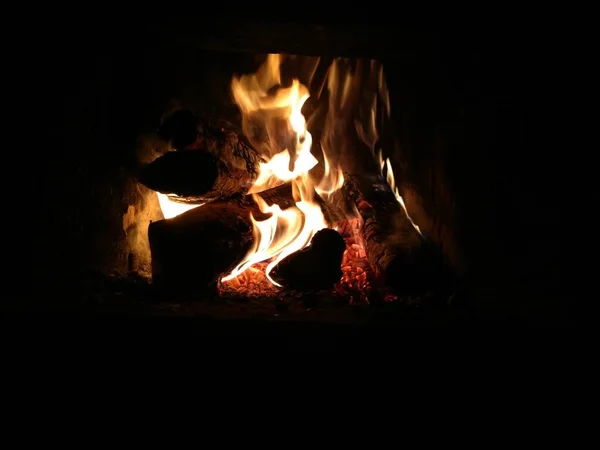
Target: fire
(370, 135)
(278, 111)
(171, 208)
(273, 121)
(389, 177)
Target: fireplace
(406, 169)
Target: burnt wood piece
(317, 266)
(399, 256)
(179, 127)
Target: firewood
(200, 175)
(399, 255)
(317, 266)
(216, 163)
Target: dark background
(473, 101)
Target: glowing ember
(250, 283)
(357, 278)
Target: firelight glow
(285, 231)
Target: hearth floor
(109, 297)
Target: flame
(333, 178)
(389, 177)
(172, 208)
(273, 121)
(369, 134)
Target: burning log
(317, 266)
(396, 251)
(218, 164)
(191, 251)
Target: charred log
(398, 254)
(201, 175)
(190, 251)
(317, 266)
(282, 195)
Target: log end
(315, 267)
(191, 251)
(186, 173)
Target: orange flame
(278, 112)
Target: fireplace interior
(401, 199)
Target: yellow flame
(171, 208)
(389, 177)
(277, 111)
(333, 178)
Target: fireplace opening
(286, 199)
(292, 172)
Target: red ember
(356, 282)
